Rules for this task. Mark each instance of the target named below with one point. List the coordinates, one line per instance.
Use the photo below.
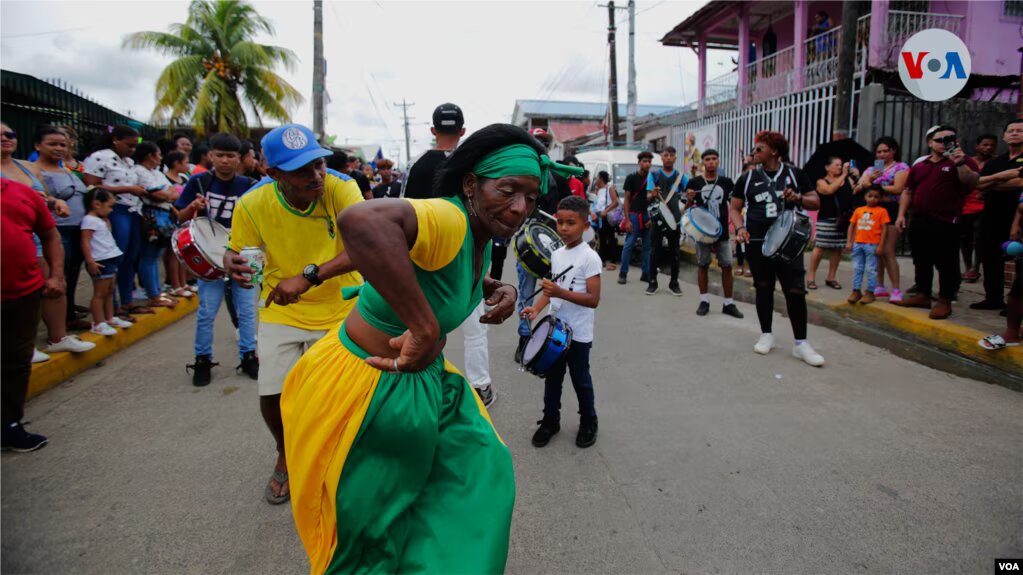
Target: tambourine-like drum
(548, 344)
(534, 244)
(200, 246)
(700, 224)
(787, 237)
(661, 216)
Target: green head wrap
(522, 160)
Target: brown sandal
(140, 309)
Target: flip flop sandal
(747, 274)
(140, 309)
(811, 285)
(833, 284)
(162, 302)
(996, 343)
(281, 477)
(126, 317)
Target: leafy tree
(218, 69)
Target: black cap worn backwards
(448, 119)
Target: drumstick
(546, 214)
(556, 278)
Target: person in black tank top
(767, 190)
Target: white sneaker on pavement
(806, 353)
(38, 356)
(118, 322)
(70, 343)
(102, 328)
(765, 344)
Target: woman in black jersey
(767, 190)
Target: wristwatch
(312, 274)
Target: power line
(31, 34)
(651, 7)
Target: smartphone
(878, 165)
(852, 164)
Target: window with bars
(1012, 8)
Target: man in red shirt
(22, 287)
(935, 191)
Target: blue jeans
(149, 268)
(127, 229)
(71, 238)
(527, 285)
(577, 361)
(863, 256)
(211, 294)
(630, 242)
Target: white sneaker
(138, 294)
(38, 356)
(806, 353)
(765, 344)
(70, 343)
(121, 323)
(102, 328)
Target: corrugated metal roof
(561, 109)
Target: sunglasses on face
(10, 135)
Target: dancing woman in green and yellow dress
(394, 463)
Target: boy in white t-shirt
(573, 297)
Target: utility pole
(404, 111)
(630, 118)
(319, 70)
(613, 87)
(846, 57)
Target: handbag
(157, 223)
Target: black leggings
(792, 277)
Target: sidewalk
(957, 335)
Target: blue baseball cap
(291, 146)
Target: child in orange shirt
(867, 230)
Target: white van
(619, 163)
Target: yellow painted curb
(945, 335)
(64, 365)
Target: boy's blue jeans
(577, 362)
(864, 257)
(630, 242)
(211, 294)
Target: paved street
(710, 459)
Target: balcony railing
(775, 75)
(721, 89)
(770, 77)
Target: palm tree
(218, 68)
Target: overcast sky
(482, 55)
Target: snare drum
(533, 245)
(548, 344)
(661, 216)
(700, 224)
(787, 237)
(200, 246)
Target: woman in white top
(110, 168)
(606, 201)
(157, 219)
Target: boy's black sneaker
(15, 438)
(201, 370)
(523, 340)
(249, 365)
(651, 289)
(547, 430)
(644, 277)
(587, 435)
(703, 308)
(621, 279)
(675, 289)
(732, 310)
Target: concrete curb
(944, 335)
(64, 365)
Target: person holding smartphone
(889, 172)
(935, 190)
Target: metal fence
(805, 119)
(28, 102)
